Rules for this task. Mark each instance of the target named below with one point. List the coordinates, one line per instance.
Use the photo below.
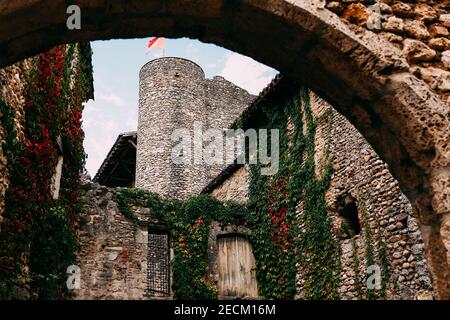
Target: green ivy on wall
(189, 223)
(371, 258)
(38, 240)
(356, 268)
(315, 247)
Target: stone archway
(365, 77)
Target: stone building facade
(418, 28)
(360, 173)
(113, 250)
(41, 157)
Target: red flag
(152, 42)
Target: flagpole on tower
(157, 42)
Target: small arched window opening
(348, 213)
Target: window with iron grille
(158, 264)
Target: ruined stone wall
(174, 94)
(418, 28)
(113, 251)
(358, 171)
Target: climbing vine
(318, 246)
(356, 268)
(189, 223)
(37, 240)
(313, 246)
(368, 244)
(370, 257)
(287, 212)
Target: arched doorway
(363, 76)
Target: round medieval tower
(171, 97)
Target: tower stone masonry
(174, 94)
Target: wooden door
(237, 277)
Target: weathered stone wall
(358, 171)
(112, 247)
(13, 80)
(113, 251)
(363, 75)
(235, 188)
(418, 28)
(174, 94)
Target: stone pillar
(171, 97)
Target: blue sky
(116, 83)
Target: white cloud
(102, 125)
(111, 98)
(247, 73)
(100, 134)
